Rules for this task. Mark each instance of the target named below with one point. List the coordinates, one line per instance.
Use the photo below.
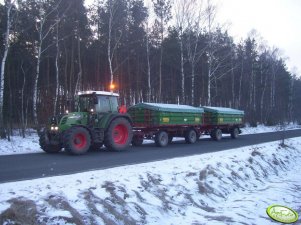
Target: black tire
(191, 136)
(161, 139)
(119, 134)
(170, 137)
(46, 144)
(137, 141)
(216, 134)
(95, 146)
(234, 133)
(77, 140)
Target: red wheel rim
(120, 134)
(79, 141)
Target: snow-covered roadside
(228, 187)
(30, 144)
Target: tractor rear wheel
(77, 140)
(46, 144)
(118, 135)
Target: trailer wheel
(190, 136)
(161, 139)
(77, 140)
(118, 135)
(46, 146)
(216, 134)
(137, 141)
(234, 133)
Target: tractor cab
(97, 102)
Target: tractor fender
(115, 116)
(77, 125)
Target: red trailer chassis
(163, 135)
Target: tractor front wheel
(77, 140)
(46, 144)
(118, 135)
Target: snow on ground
(228, 187)
(30, 144)
(265, 129)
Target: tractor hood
(73, 118)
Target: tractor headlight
(54, 128)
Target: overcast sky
(277, 21)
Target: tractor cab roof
(97, 93)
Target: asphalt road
(36, 165)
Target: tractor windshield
(86, 103)
(107, 104)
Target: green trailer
(221, 120)
(221, 115)
(162, 122)
(155, 114)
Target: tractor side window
(103, 104)
(114, 104)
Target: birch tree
(196, 21)
(44, 30)
(147, 44)
(162, 10)
(57, 70)
(184, 13)
(9, 4)
(210, 18)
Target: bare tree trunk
(192, 82)
(80, 70)
(182, 70)
(161, 58)
(110, 57)
(240, 83)
(209, 51)
(22, 102)
(36, 79)
(149, 92)
(56, 70)
(3, 63)
(262, 100)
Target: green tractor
(97, 121)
